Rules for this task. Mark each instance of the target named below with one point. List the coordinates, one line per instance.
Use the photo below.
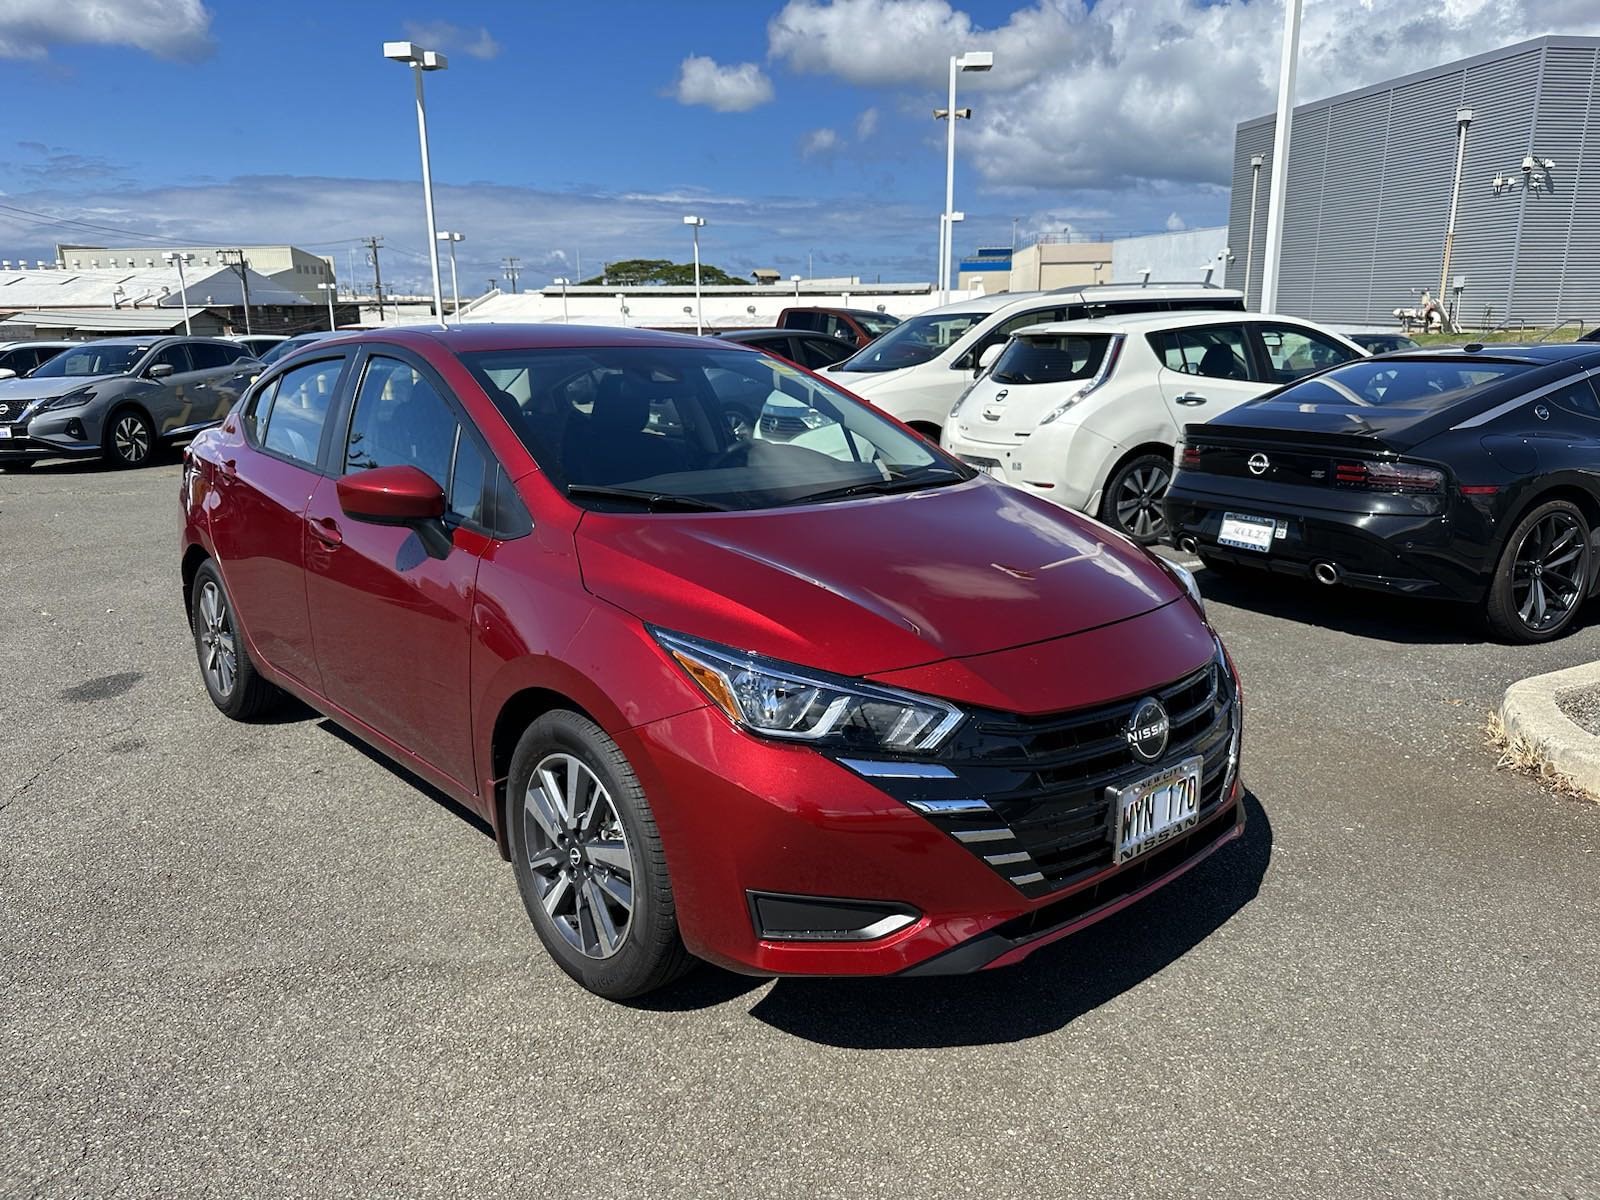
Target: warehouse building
(288, 267)
(1371, 175)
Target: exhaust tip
(1188, 544)
(1325, 573)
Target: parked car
(855, 326)
(1085, 413)
(1376, 339)
(19, 359)
(810, 350)
(791, 711)
(120, 398)
(917, 370)
(259, 343)
(291, 345)
(745, 409)
(1466, 474)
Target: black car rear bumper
(1407, 553)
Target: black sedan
(1467, 474)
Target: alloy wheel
(132, 439)
(1138, 501)
(579, 856)
(219, 656)
(1547, 572)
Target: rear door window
(175, 357)
(803, 320)
(1214, 351)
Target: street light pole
(1250, 237)
(563, 284)
(698, 223)
(172, 256)
(972, 60)
(1280, 157)
(795, 279)
(1463, 120)
(330, 288)
(421, 60)
(455, 293)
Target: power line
(513, 268)
(372, 243)
(235, 260)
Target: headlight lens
(71, 400)
(779, 700)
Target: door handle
(1190, 398)
(198, 386)
(327, 532)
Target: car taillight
(1388, 477)
(1190, 456)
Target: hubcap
(578, 853)
(214, 631)
(1547, 572)
(132, 439)
(1138, 501)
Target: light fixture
(420, 60)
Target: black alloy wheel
(1543, 575)
(1134, 495)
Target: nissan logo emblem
(1001, 395)
(4, 409)
(1147, 729)
(1258, 464)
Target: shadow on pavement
(416, 781)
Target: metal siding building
(1370, 176)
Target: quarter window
(1578, 398)
(288, 416)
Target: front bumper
(1408, 553)
(743, 819)
(50, 435)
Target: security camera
(1527, 165)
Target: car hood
(27, 390)
(863, 383)
(874, 585)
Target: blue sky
(563, 129)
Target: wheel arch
(1138, 450)
(1570, 490)
(194, 558)
(517, 712)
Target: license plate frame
(1246, 531)
(1156, 809)
(5, 433)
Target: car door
(171, 398)
(391, 617)
(268, 464)
(1289, 350)
(1205, 371)
(221, 380)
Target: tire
(595, 885)
(231, 679)
(130, 440)
(16, 468)
(1131, 503)
(1542, 577)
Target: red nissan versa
(835, 705)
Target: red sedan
(834, 705)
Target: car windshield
(1427, 383)
(681, 428)
(877, 324)
(912, 342)
(96, 358)
(1059, 358)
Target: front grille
(1030, 796)
(782, 427)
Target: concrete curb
(1529, 712)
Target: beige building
(1046, 265)
(289, 267)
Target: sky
(567, 134)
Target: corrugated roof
(145, 288)
(96, 320)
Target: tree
(640, 272)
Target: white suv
(916, 370)
(1086, 413)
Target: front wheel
(129, 438)
(1542, 576)
(588, 859)
(1134, 495)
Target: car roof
(1581, 354)
(473, 339)
(1155, 322)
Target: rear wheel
(588, 859)
(129, 439)
(1543, 575)
(231, 679)
(1133, 497)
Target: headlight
(1186, 577)
(71, 400)
(779, 700)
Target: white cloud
(819, 141)
(866, 124)
(172, 29)
(733, 88)
(453, 39)
(1175, 223)
(1134, 92)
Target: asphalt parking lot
(256, 960)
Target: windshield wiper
(653, 500)
(879, 487)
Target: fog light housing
(75, 429)
(785, 918)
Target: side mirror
(401, 495)
(159, 371)
(987, 358)
(7, 373)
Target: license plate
(5, 432)
(1157, 809)
(1246, 533)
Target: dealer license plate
(1246, 533)
(1158, 808)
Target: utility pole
(513, 268)
(235, 260)
(372, 243)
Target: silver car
(120, 398)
